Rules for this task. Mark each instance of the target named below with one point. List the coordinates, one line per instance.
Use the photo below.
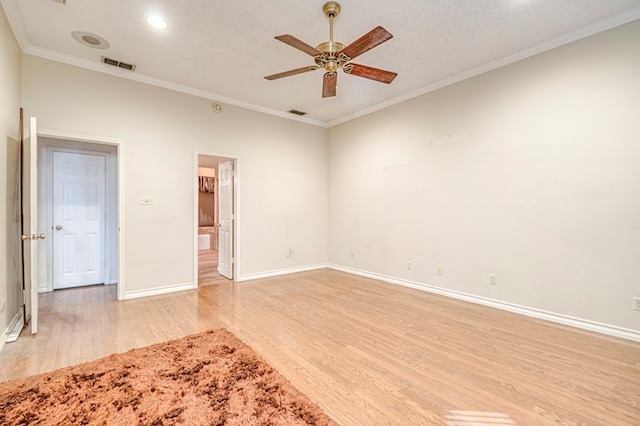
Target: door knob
(26, 237)
(58, 227)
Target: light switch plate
(146, 200)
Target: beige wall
(545, 194)
(9, 151)
(161, 130)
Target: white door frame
(31, 291)
(120, 196)
(236, 221)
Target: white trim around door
(237, 208)
(120, 196)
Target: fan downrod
(330, 48)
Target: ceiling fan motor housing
(329, 47)
(330, 60)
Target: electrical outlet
(3, 305)
(408, 264)
(287, 252)
(440, 270)
(636, 303)
(353, 255)
(493, 279)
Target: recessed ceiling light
(90, 40)
(157, 22)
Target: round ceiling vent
(90, 40)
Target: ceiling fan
(332, 55)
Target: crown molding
(561, 40)
(15, 22)
(142, 78)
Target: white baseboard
(11, 329)
(277, 272)
(158, 290)
(607, 329)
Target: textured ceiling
(222, 49)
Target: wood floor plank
(369, 353)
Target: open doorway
(215, 219)
(78, 200)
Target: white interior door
(30, 235)
(226, 217)
(78, 219)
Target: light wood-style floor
(369, 353)
(208, 268)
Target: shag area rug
(210, 378)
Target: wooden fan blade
(298, 44)
(329, 84)
(373, 38)
(291, 72)
(370, 73)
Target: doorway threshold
(18, 324)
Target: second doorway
(215, 219)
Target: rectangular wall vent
(296, 112)
(118, 64)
